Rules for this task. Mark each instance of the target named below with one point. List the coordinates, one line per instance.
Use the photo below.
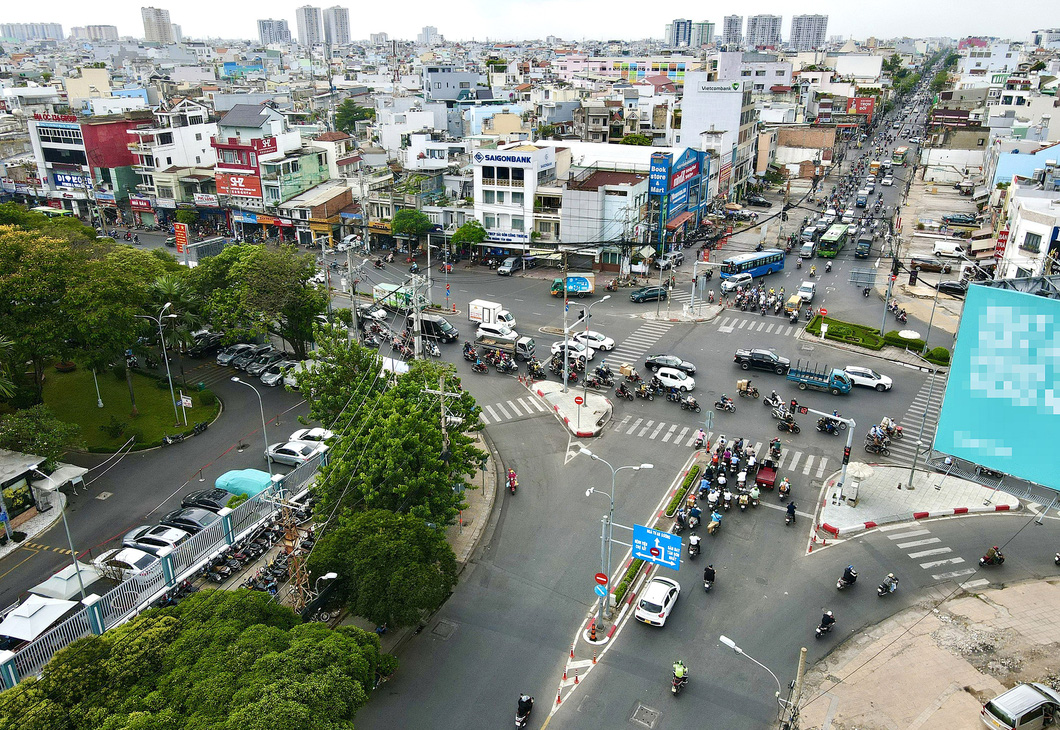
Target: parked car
(152, 538)
(758, 201)
(205, 344)
(657, 601)
(243, 360)
(317, 434)
(575, 349)
(125, 561)
(190, 519)
(736, 280)
(662, 360)
(953, 288)
(294, 453)
(868, 378)
(1024, 707)
(273, 375)
(673, 378)
(510, 265)
(669, 260)
(762, 360)
(919, 263)
(595, 340)
(648, 294)
(226, 356)
(959, 219)
(211, 499)
(262, 362)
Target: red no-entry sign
(578, 399)
(824, 312)
(601, 578)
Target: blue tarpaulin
(244, 481)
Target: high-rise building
(702, 34)
(378, 39)
(808, 32)
(732, 30)
(680, 32)
(310, 25)
(337, 26)
(102, 32)
(428, 36)
(32, 31)
(157, 27)
(763, 30)
(178, 34)
(273, 31)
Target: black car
(762, 360)
(960, 219)
(211, 499)
(758, 201)
(953, 288)
(654, 362)
(926, 264)
(191, 519)
(647, 294)
(206, 345)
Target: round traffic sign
(824, 312)
(600, 591)
(655, 552)
(578, 399)
(601, 578)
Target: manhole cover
(104, 495)
(646, 716)
(444, 629)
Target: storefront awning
(679, 220)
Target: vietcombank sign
(713, 86)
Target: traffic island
(583, 411)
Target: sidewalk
(877, 494)
(941, 662)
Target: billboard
(246, 186)
(864, 105)
(658, 174)
(1002, 404)
(180, 234)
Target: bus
(833, 240)
(899, 155)
(756, 263)
(52, 212)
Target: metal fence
(136, 593)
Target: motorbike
(200, 427)
(793, 318)
(902, 317)
(827, 425)
(470, 355)
(813, 271)
(843, 582)
(988, 559)
(726, 500)
(624, 391)
(507, 366)
(744, 500)
(809, 314)
(643, 391)
(513, 481)
(536, 370)
(678, 684)
(823, 629)
(1057, 559)
(865, 292)
(887, 587)
(168, 440)
(612, 285)
(700, 442)
(789, 425)
(771, 402)
(693, 549)
(798, 264)
(748, 391)
(480, 367)
(522, 718)
(673, 396)
(690, 404)
(894, 432)
(725, 405)
(431, 349)
(789, 516)
(874, 448)
(414, 269)
(828, 267)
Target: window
(517, 199)
(780, 72)
(746, 72)
(489, 221)
(198, 160)
(517, 223)
(169, 160)
(198, 136)
(1031, 242)
(489, 196)
(760, 72)
(500, 197)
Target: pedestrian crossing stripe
(528, 406)
(38, 546)
(768, 325)
(637, 343)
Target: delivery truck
(397, 297)
(483, 312)
(833, 380)
(578, 285)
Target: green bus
(52, 212)
(833, 240)
(899, 155)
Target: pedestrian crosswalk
(678, 434)
(930, 554)
(634, 347)
(769, 325)
(928, 400)
(512, 410)
(209, 373)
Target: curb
(906, 516)
(566, 419)
(802, 334)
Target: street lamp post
(326, 576)
(69, 540)
(585, 380)
(261, 407)
(604, 610)
(161, 335)
(732, 645)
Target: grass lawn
(72, 397)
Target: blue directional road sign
(656, 546)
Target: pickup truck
(762, 360)
(522, 348)
(834, 380)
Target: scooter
(826, 425)
(522, 720)
(693, 548)
(789, 425)
(513, 481)
(771, 402)
(843, 583)
(623, 391)
(726, 500)
(378, 263)
(889, 586)
(823, 629)
(725, 405)
(480, 367)
(865, 292)
(700, 441)
(431, 349)
(828, 267)
(678, 684)
(1057, 559)
(794, 318)
(995, 560)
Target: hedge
(894, 338)
(848, 332)
(938, 356)
(679, 496)
(623, 585)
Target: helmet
(890, 575)
(850, 568)
(710, 565)
(828, 613)
(524, 697)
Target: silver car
(294, 453)
(273, 375)
(227, 355)
(152, 538)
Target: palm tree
(171, 288)
(7, 386)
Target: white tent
(33, 617)
(64, 584)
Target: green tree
(348, 113)
(546, 131)
(187, 216)
(36, 430)
(412, 223)
(471, 232)
(345, 375)
(940, 82)
(392, 568)
(7, 385)
(636, 139)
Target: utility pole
(792, 720)
(416, 328)
(566, 304)
(442, 395)
(896, 247)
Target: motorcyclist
(680, 672)
(827, 620)
(701, 436)
(798, 262)
(785, 486)
(993, 554)
(791, 511)
(755, 493)
(526, 703)
(813, 269)
(681, 518)
(511, 476)
(715, 522)
(849, 574)
(693, 543)
(774, 446)
(709, 574)
(891, 582)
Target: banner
(245, 186)
(137, 202)
(180, 232)
(205, 200)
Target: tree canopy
(37, 431)
(470, 232)
(640, 140)
(219, 660)
(348, 113)
(410, 222)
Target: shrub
(627, 579)
(679, 496)
(344, 315)
(207, 397)
(938, 356)
(893, 338)
(17, 536)
(113, 428)
(162, 383)
(119, 371)
(236, 500)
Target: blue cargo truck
(833, 380)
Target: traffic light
(794, 405)
(846, 454)
(896, 266)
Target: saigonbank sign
(511, 159)
(543, 157)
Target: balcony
(139, 148)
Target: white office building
(732, 30)
(31, 31)
(763, 30)
(157, 26)
(702, 34)
(310, 25)
(337, 26)
(720, 116)
(679, 32)
(273, 31)
(808, 32)
(428, 36)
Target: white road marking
(634, 426)
(933, 551)
(669, 433)
(809, 465)
(918, 543)
(493, 413)
(954, 574)
(644, 430)
(911, 533)
(512, 405)
(500, 407)
(975, 583)
(794, 460)
(947, 561)
(655, 433)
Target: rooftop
(601, 178)
(245, 115)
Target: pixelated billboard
(1002, 405)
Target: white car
(657, 600)
(576, 349)
(151, 539)
(848, 216)
(311, 434)
(497, 332)
(294, 453)
(807, 291)
(736, 280)
(868, 378)
(595, 340)
(674, 378)
(126, 562)
(888, 180)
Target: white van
(953, 249)
(1024, 707)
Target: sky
(568, 19)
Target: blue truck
(833, 380)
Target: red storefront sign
(862, 105)
(1002, 242)
(245, 186)
(180, 232)
(55, 117)
(137, 203)
(264, 146)
(682, 176)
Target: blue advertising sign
(659, 174)
(656, 546)
(577, 284)
(68, 180)
(678, 199)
